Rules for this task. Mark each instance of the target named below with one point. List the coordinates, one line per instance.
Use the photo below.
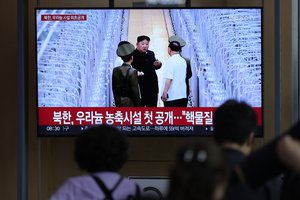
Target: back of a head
(125, 51)
(101, 148)
(200, 173)
(175, 46)
(233, 122)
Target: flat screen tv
(76, 54)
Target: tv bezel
(261, 127)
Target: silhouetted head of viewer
(235, 124)
(101, 148)
(200, 173)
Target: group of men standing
(135, 82)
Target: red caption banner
(64, 17)
(128, 116)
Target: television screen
(76, 51)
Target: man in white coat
(174, 93)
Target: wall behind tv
(50, 159)
(8, 85)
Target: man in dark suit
(145, 61)
(125, 80)
(234, 129)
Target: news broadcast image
(76, 54)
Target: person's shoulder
(115, 71)
(176, 58)
(234, 156)
(117, 68)
(75, 179)
(181, 59)
(74, 182)
(132, 71)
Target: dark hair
(175, 46)
(126, 58)
(200, 168)
(101, 148)
(143, 37)
(233, 122)
(123, 42)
